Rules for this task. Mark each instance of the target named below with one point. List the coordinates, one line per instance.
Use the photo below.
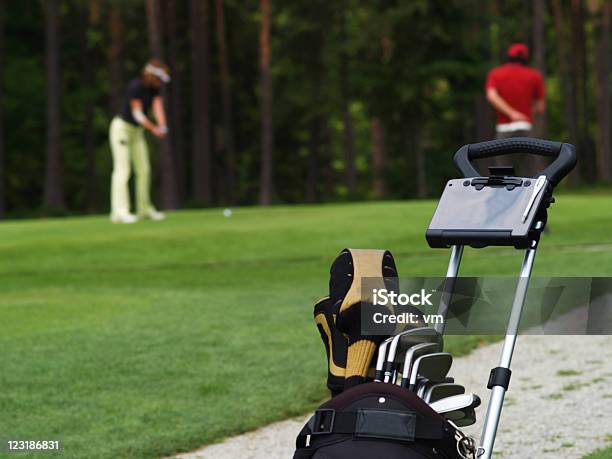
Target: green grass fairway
(143, 340)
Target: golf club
(434, 367)
(469, 418)
(423, 385)
(380, 362)
(439, 391)
(414, 352)
(451, 406)
(406, 340)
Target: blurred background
(284, 102)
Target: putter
(434, 367)
(439, 391)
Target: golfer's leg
(142, 170)
(120, 146)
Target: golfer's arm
(500, 104)
(139, 116)
(159, 112)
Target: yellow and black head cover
(336, 344)
(345, 288)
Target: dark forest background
(284, 101)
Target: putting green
(143, 340)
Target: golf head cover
(345, 291)
(336, 344)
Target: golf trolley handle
(564, 154)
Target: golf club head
(456, 403)
(434, 367)
(408, 338)
(435, 392)
(380, 362)
(468, 418)
(420, 382)
(413, 353)
(422, 387)
(424, 384)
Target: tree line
(285, 102)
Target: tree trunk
(483, 113)
(53, 192)
(421, 166)
(114, 56)
(177, 119)
(2, 159)
(538, 163)
(497, 56)
(218, 168)
(328, 174)
(528, 9)
(226, 100)
(154, 28)
(569, 92)
(168, 177)
(88, 21)
(484, 116)
(539, 56)
(201, 157)
(580, 77)
(266, 189)
(312, 181)
(496, 49)
(378, 156)
(347, 122)
(602, 57)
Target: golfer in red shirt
(517, 92)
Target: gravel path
(559, 404)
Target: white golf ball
(227, 212)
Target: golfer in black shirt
(129, 146)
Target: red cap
(518, 50)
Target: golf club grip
(564, 154)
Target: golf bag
(365, 420)
(379, 420)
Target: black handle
(564, 154)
